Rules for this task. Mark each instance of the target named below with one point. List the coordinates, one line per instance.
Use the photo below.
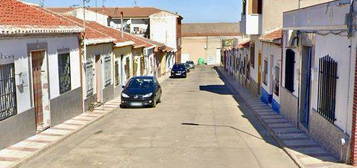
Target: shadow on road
(218, 89)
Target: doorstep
(21, 152)
(300, 147)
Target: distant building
(205, 40)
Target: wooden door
(37, 62)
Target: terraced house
(152, 23)
(39, 70)
(301, 59)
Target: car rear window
(178, 66)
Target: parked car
(191, 63)
(141, 91)
(187, 66)
(179, 70)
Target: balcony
(251, 24)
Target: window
(252, 55)
(89, 78)
(327, 88)
(107, 71)
(64, 71)
(255, 7)
(8, 106)
(289, 70)
(265, 72)
(276, 80)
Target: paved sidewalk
(15, 155)
(296, 143)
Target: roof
(210, 29)
(244, 44)
(272, 36)
(20, 18)
(128, 11)
(92, 34)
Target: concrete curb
(271, 132)
(54, 144)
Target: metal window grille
(327, 88)
(89, 78)
(265, 72)
(64, 71)
(107, 66)
(252, 55)
(276, 80)
(8, 105)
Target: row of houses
(53, 69)
(300, 58)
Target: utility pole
(84, 57)
(122, 24)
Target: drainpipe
(83, 60)
(350, 36)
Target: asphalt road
(199, 124)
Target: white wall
(163, 28)
(253, 24)
(337, 47)
(18, 49)
(91, 16)
(103, 50)
(271, 53)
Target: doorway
(304, 104)
(98, 73)
(289, 70)
(40, 90)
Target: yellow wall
(137, 55)
(126, 52)
(195, 46)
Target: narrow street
(198, 124)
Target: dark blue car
(179, 70)
(141, 91)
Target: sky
(191, 10)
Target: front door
(304, 104)
(98, 79)
(40, 90)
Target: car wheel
(154, 103)
(159, 101)
(122, 106)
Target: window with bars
(252, 55)
(265, 72)
(64, 71)
(327, 88)
(107, 70)
(8, 105)
(276, 80)
(89, 78)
